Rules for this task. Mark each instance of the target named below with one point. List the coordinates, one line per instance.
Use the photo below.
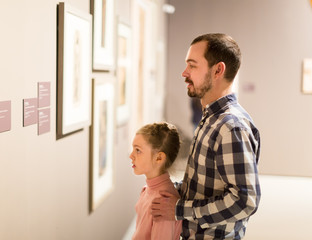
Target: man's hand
(163, 208)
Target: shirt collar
(158, 181)
(219, 104)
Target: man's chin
(191, 94)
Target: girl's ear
(160, 157)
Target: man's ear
(219, 69)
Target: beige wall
(275, 36)
(282, 214)
(44, 182)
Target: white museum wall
(275, 36)
(284, 211)
(44, 182)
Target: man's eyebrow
(191, 60)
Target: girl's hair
(163, 137)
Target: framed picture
(307, 76)
(74, 70)
(140, 14)
(123, 72)
(101, 141)
(144, 93)
(103, 34)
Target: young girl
(155, 147)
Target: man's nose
(185, 73)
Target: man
(220, 189)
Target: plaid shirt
(220, 189)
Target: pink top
(146, 228)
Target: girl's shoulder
(170, 188)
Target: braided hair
(163, 137)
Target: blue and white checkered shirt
(220, 189)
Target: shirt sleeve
(163, 230)
(236, 155)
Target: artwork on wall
(141, 62)
(307, 76)
(145, 30)
(139, 66)
(101, 141)
(103, 34)
(74, 70)
(123, 72)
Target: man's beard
(201, 91)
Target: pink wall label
(30, 111)
(5, 116)
(44, 94)
(44, 121)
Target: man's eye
(138, 150)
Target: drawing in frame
(103, 12)
(144, 19)
(74, 70)
(306, 85)
(123, 72)
(139, 42)
(101, 141)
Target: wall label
(5, 116)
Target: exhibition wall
(46, 185)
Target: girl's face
(143, 158)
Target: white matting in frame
(74, 69)
(103, 12)
(102, 139)
(123, 72)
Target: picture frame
(306, 85)
(103, 12)
(74, 70)
(102, 138)
(141, 61)
(123, 72)
(145, 100)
